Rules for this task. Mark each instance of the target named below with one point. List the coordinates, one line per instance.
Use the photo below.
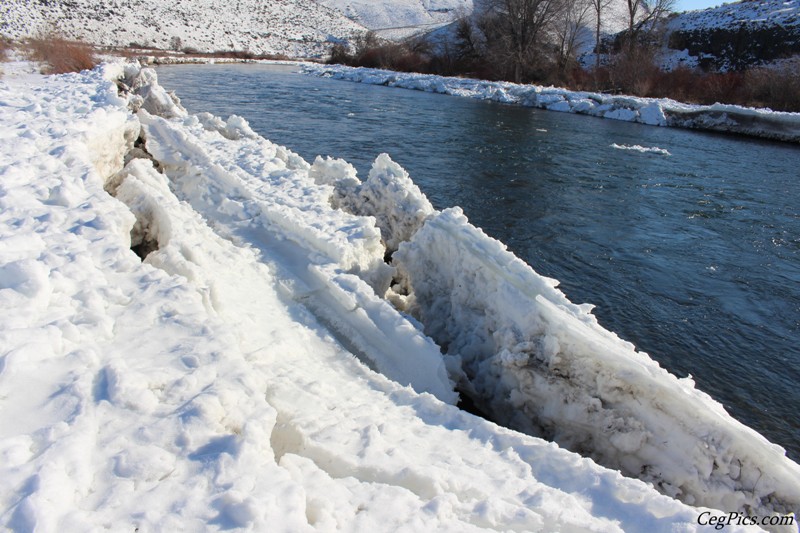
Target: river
(692, 256)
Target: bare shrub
(724, 87)
(234, 54)
(339, 55)
(678, 84)
(60, 55)
(175, 43)
(633, 71)
(777, 87)
(371, 52)
(5, 46)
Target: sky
(690, 5)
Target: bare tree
(643, 15)
(175, 43)
(520, 25)
(468, 39)
(599, 8)
(571, 31)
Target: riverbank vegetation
(59, 55)
(177, 50)
(4, 47)
(538, 41)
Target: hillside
(298, 28)
(397, 18)
(734, 36)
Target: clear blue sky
(689, 5)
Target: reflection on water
(693, 257)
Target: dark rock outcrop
(737, 47)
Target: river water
(693, 256)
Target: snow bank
(542, 365)
(652, 111)
(119, 409)
(214, 385)
(264, 193)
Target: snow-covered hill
(733, 15)
(396, 18)
(735, 35)
(298, 28)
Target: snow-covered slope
(298, 28)
(734, 14)
(395, 18)
(735, 35)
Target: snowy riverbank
(762, 123)
(249, 373)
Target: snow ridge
(248, 178)
(540, 364)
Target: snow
(401, 18)
(735, 14)
(642, 149)
(773, 24)
(297, 28)
(389, 195)
(651, 111)
(538, 363)
(248, 374)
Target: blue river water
(693, 256)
